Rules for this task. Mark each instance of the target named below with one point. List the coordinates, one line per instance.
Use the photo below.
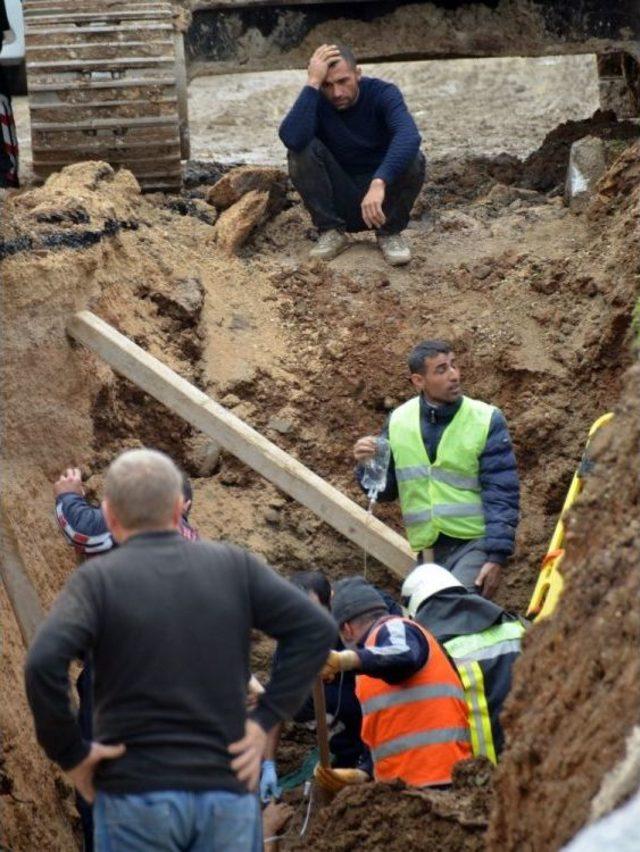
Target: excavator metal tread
(105, 83)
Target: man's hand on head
(69, 481)
(372, 204)
(488, 579)
(319, 64)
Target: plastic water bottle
(374, 477)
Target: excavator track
(107, 82)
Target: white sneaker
(394, 248)
(329, 245)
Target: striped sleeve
(400, 651)
(83, 525)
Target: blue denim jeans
(177, 821)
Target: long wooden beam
(20, 591)
(235, 436)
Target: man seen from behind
(175, 759)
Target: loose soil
(395, 817)
(537, 302)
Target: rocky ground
(537, 301)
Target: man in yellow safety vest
(453, 468)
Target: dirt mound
(455, 180)
(394, 817)
(546, 168)
(577, 688)
(536, 301)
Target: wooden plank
(235, 436)
(20, 591)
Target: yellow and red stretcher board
(550, 583)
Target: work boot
(329, 245)
(394, 248)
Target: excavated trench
(537, 300)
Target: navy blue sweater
(84, 526)
(399, 651)
(499, 483)
(376, 136)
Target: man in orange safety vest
(414, 714)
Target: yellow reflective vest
(441, 495)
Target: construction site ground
(537, 301)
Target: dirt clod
(238, 221)
(236, 183)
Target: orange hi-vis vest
(419, 729)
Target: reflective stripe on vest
(417, 693)
(488, 644)
(441, 496)
(421, 738)
(419, 471)
(459, 510)
(467, 652)
(479, 717)
(416, 730)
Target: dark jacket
(457, 612)
(499, 482)
(168, 624)
(84, 526)
(377, 136)
(400, 650)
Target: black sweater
(168, 624)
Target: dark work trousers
(84, 685)
(333, 197)
(463, 558)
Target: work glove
(335, 780)
(339, 661)
(269, 788)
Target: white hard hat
(424, 582)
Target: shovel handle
(320, 707)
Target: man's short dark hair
(314, 581)
(347, 54)
(427, 349)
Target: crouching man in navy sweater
(354, 155)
